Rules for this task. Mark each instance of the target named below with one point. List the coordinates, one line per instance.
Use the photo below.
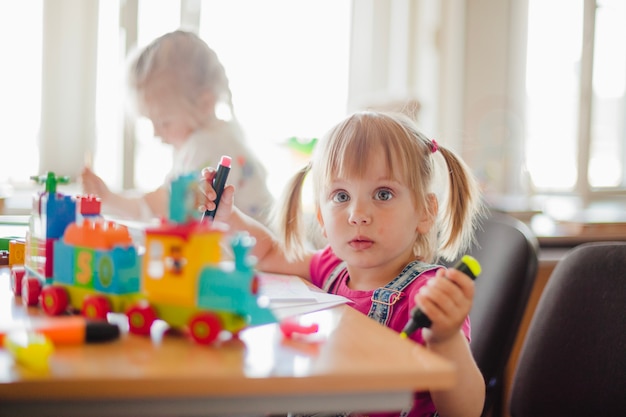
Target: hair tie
(433, 145)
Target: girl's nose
(359, 216)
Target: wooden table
(351, 363)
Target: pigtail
(463, 208)
(288, 217)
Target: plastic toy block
(97, 234)
(58, 212)
(16, 252)
(111, 271)
(116, 271)
(183, 199)
(38, 257)
(89, 205)
(64, 263)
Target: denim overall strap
(385, 297)
(339, 269)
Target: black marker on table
(467, 265)
(219, 182)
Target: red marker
(219, 182)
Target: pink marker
(219, 182)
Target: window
(20, 87)
(288, 76)
(287, 63)
(576, 97)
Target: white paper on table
(289, 295)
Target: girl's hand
(207, 199)
(93, 184)
(446, 300)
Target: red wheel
(95, 307)
(54, 300)
(205, 327)
(31, 289)
(140, 319)
(17, 274)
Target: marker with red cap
(219, 182)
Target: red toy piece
(291, 327)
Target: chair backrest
(507, 251)
(573, 360)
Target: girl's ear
(428, 214)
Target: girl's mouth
(361, 243)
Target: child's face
(171, 116)
(372, 221)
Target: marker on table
(66, 330)
(467, 265)
(219, 182)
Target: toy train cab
(186, 282)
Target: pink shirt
(322, 265)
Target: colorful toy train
(77, 261)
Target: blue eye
(384, 195)
(340, 197)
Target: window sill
(563, 222)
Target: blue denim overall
(383, 299)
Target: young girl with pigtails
(390, 202)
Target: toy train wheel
(95, 307)
(31, 290)
(54, 300)
(205, 327)
(140, 319)
(17, 274)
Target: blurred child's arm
(267, 250)
(93, 184)
(144, 207)
(447, 300)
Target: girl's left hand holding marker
(447, 301)
(225, 208)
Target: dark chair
(507, 251)
(573, 360)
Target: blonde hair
(192, 64)
(412, 159)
